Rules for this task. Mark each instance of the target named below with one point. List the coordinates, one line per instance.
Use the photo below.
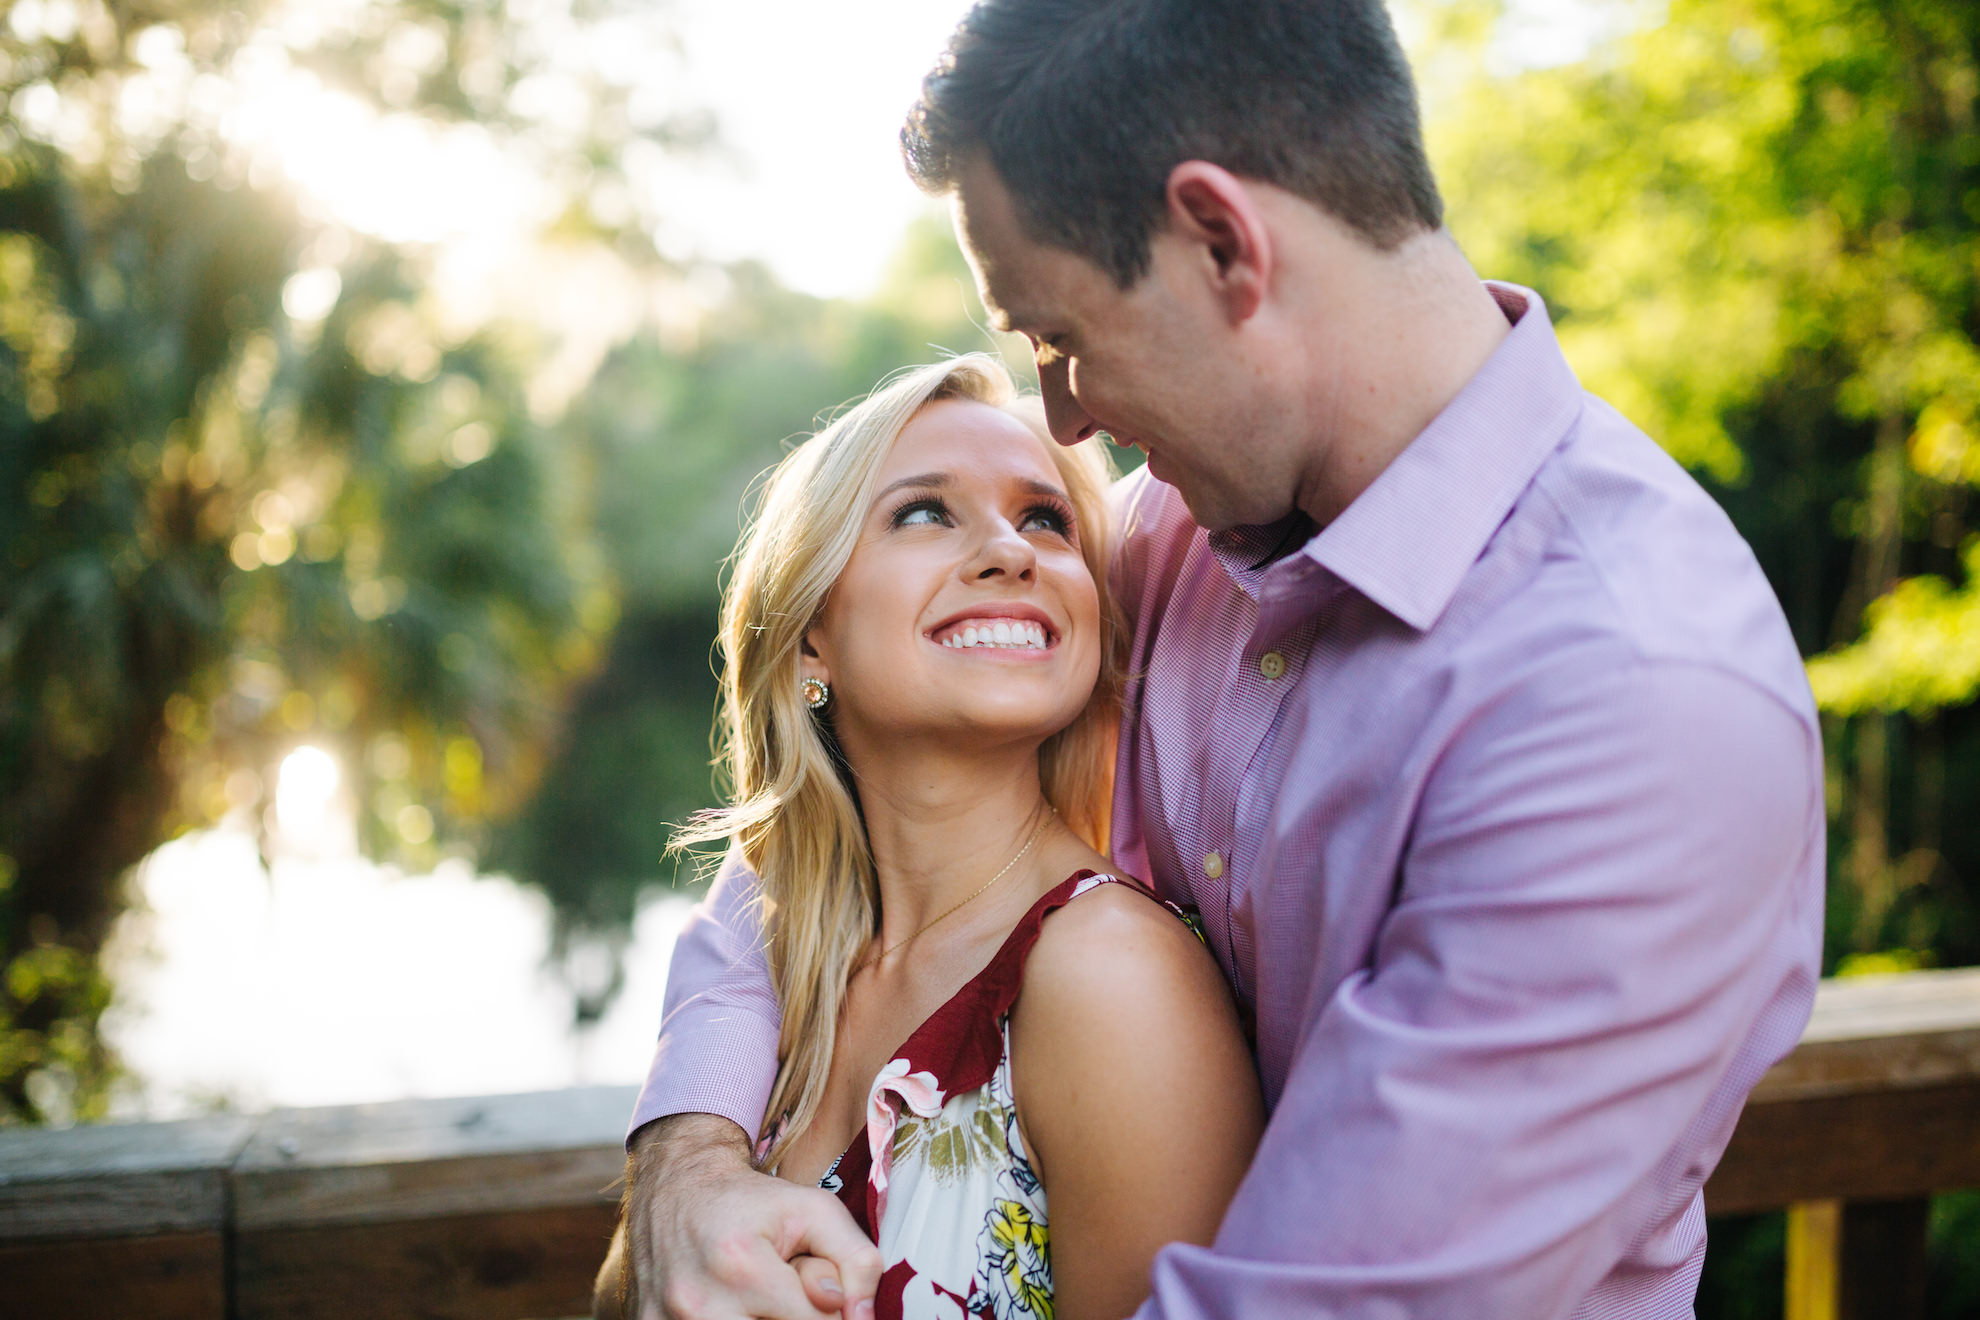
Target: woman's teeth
(1010, 634)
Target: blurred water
(332, 981)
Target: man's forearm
(675, 1153)
(685, 1146)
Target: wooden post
(1861, 1260)
(1814, 1241)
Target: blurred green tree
(257, 488)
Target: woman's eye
(925, 513)
(1047, 519)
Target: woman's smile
(1016, 629)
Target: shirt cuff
(691, 1074)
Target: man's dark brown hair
(1085, 106)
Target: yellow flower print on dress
(1016, 1255)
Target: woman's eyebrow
(925, 481)
(942, 480)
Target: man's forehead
(1016, 292)
(994, 242)
(1002, 296)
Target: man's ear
(1212, 209)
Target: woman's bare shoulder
(1115, 956)
(1125, 1041)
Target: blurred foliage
(1745, 1263)
(256, 489)
(1954, 1283)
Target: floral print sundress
(941, 1169)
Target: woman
(921, 682)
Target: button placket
(1203, 819)
(1292, 629)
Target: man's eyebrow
(922, 481)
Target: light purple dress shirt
(1501, 798)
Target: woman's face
(966, 611)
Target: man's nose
(1067, 421)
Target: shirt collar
(1408, 540)
(1251, 554)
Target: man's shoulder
(1656, 563)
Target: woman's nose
(1067, 421)
(1004, 552)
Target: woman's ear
(810, 663)
(1213, 210)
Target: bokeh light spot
(304, 787)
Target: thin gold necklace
(1050, 811)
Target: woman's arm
(1137, 1098)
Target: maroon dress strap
(963, 1041)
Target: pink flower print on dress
(1091, 882)
(919, 1092)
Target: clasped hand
(709, 1237)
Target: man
(1462, 714)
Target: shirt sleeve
(717, 1052)
(1607, 926)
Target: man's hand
(710, 1238)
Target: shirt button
(1272, 665)
(1213, 865)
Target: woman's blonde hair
(792, 807)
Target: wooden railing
(1877, 1108)
(499, 1208)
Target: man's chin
(1209, 516)
(1192, 496)
(1208, 509)
(1220, 515)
